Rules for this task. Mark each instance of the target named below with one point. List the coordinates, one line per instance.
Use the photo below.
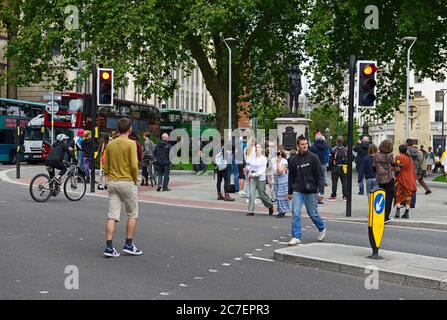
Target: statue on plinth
(295, 87)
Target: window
(438, 115)
(439, 95)
(418, 94)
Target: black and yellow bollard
(376, 220)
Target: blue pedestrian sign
(379, 203)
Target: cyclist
(55, 159)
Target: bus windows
(13, 110)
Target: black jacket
(161, 153)
(366, 169)
(362, 152)
(88, 146)
(305, 174)
(58, 152)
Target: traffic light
(105, 87)
(367, 83)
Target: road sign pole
(95, 99)
(18, 150)
(350, 134)
(52, 119)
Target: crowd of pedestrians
(292, 178)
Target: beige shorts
(126, 192)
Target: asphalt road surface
(187, 254)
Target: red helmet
(80, 132)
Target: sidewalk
(191, 190)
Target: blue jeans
(371, 184)
(236, 177)
(362, 186)
(310, 201)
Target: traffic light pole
(18, 149)
(352, 64)
(93, 110)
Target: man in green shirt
(121, 169)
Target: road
(188, 254)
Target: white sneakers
(294, 242)
(242, 193)
(321, 235)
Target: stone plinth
(419, 123)
(293, 128)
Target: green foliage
(324, 118)
(336, 31)
(148, 39)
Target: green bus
(182, 119)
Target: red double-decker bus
(68, 120)
(75, 112)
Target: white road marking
(238, 259)
(44, 292)
(282, 242)
(275, 241)
(226, 264)
(267, 245)
(236, 229)
(183, 285)
(258, 249)
(212, 270)
(164, 293)
(248, 254)
(263, 259)
(198, 278)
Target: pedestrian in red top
(405, 182)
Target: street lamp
(407, 99)
(442, 125)
(229, 81)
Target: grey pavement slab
(399, 267)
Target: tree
(148, 39)
(324, 118)
(337, 30)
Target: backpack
(339, 156)
(220, 160)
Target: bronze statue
(295, 88)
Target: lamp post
(229, 81)
(444, 91)
(407, 99)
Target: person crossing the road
(306, 179)
(121, 168)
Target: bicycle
(42, 187)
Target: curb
(358, 270)
(435, 184)
(400, 223)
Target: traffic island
(397, 267)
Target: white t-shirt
(257, 167)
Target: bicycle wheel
(75, 188)
(39, 188)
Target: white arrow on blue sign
(379, 203)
